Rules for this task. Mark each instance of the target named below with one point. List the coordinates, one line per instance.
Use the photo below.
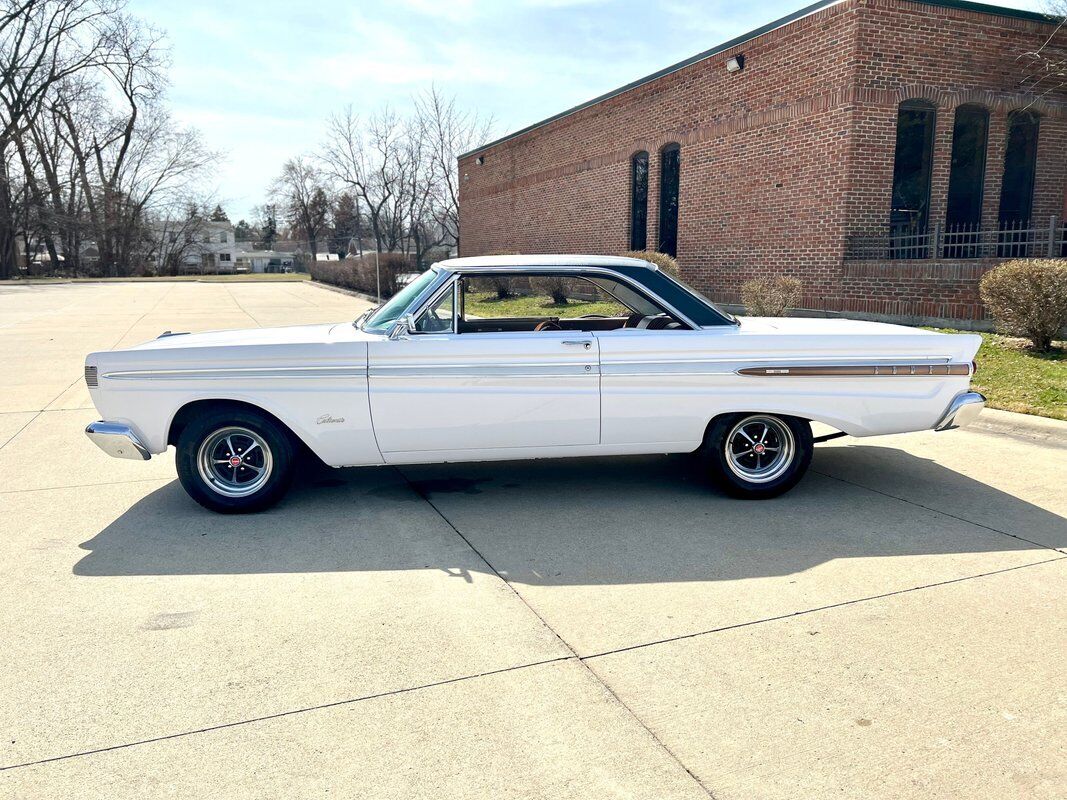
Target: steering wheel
(431, 323)
(548, 325)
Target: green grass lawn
(1015, 378)
(488, 305)
(281, 277)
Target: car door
(660, 387)
(434, 391)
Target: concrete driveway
(893, 628)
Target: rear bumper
(117, 440)
(961, 411)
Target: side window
(437, 318)
(537, 297)
(537, 302)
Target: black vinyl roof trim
(960, 5)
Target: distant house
(88, 253)
(264, 261)
(201, 246)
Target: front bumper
(117, 440)
(961, 411)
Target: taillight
(974, 367)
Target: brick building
(885, 152)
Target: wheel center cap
(235, 461)
(758, 449)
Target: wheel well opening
(739, 414)
(191, 411)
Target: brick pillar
(941, 167)
(654, 165)
(1051, 158)
(994, 168)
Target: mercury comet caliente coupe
(447, 371)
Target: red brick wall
(781, 161)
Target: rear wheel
(235, 460)
(757, 456)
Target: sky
(259, 78)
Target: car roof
(548, 260)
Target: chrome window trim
(441, 292)
(443, 276)
(420, 303)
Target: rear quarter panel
(666, 386)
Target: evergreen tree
(243, 232)
(346, 225)
(268, 225)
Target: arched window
(670, 163)
(1017, 185)
(912, 163)
(639, 201)
(970, 132)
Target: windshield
(388, 313)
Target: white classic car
(446, 371)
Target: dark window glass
(670, 170)
(639, 201)
(1017, 185)
(970, 132)
(1020, 161)
(912, 163)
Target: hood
(294, 334)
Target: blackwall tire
(235, 461)
(757, 456)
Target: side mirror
(403, 327)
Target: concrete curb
(1023, 426)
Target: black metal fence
(1007, 240)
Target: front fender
(332, 418)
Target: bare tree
(1046, 66)
(175, 231)
(368, 160)
(86, 143)
(307, 208)
(422, 192)
(450, 132)
(42, 44)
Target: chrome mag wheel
(759, 448)
(235, 462)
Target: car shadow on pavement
(578, 521)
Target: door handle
(586, 344)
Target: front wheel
(235, 461)
(757, 456)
